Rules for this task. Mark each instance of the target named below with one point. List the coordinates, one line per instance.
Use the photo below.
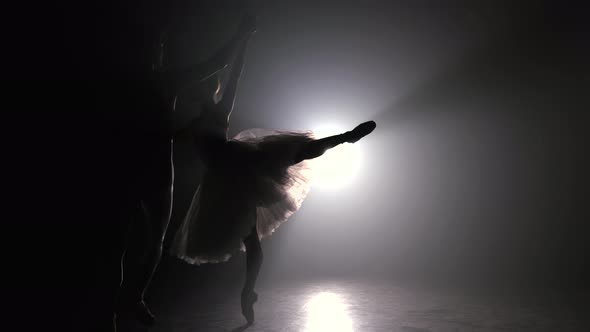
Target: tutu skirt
(250, 180)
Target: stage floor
(362, 305)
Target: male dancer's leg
(149, 232)
(104, 247)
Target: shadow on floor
(241, 328)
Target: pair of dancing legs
(146, 233)
(153, 203)
(254, 256)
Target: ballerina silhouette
(252, 183)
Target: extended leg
(253, 264)
(318, 147)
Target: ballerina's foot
(248, 300)
(361, 131)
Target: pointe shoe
(248, 300)
(360, 131)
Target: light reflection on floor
(363, 306)
(327, 312)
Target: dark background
(476, 173)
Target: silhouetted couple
(252, 183)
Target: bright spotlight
(326, 312)
(338, 166)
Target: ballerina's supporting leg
(318, 147)
(253, 263)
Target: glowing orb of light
(337, 166)
(326, 312)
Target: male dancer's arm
(178, 80)
(228, 95)
(237, 53)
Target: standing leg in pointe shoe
(253, 263)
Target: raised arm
(180, 79)
(228, 95)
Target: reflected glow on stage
(327, 312)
